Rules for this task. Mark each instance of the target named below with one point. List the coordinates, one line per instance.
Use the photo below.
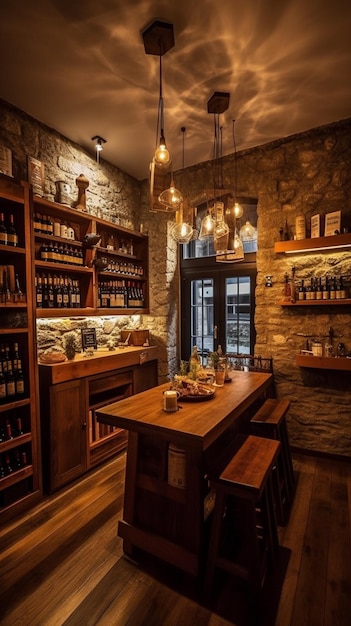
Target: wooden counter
(161, 519)
(70, 392)
(102, 360)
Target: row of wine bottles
(116, 267)
(327, 288)
(12, 384)
(12, 461)
(57, 292)
(61, 253)
(46, 225)
(8, 232)
(120, 294)
(10, 286)
(10, 429)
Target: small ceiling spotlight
(98, 146)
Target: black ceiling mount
(218, 103)
(158, 38)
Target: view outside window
(237, 318)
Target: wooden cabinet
(20, 477)
(77, 274)
(73, 440)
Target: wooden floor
(62, 563)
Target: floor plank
(61, 564)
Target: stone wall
(304, 174)
(115, 196)
(300, 175)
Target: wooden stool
(244, 536)
(269, 421)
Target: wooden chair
(270, 422)
(244, 537)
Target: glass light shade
(170, 198)
(248, 231)
(182, 233)
(207, 227)
(235, 250)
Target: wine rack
(20, 468)
(111, 269)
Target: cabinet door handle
(84, 426)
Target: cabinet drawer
(105, 383)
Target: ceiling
(81, 68)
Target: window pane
(202, 315)
(238, 303)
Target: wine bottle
(19, 428)
(10, 383)
(19, 295)
(19, 381)
(51, 295)
(8, 466)
(12, 237)
(8, 431)
(2, 384)
(17, 464)
(38, 292)
(3, 230)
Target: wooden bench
(270, 422)
(244, 537)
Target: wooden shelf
(17, 492)
(90, 278)
(323, 362)
(344, 301)
(314, 245)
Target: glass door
(218, 310)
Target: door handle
(215, 332)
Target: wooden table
(159, 518)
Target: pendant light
(237, 208)
(213, 224)
(182, 231)
(158, 39)
(235, 249)
(170, 199)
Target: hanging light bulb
(208, 225)
(181, 231)
(162, 156)
(238, 209)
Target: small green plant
(70, 345)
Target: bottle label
(19, 386)
(2, 391)
(3, 238)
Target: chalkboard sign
(89, 338)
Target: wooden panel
(68, 444)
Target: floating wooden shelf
(344, 301)
(314, 245)
(323, 362)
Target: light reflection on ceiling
(81, 68)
